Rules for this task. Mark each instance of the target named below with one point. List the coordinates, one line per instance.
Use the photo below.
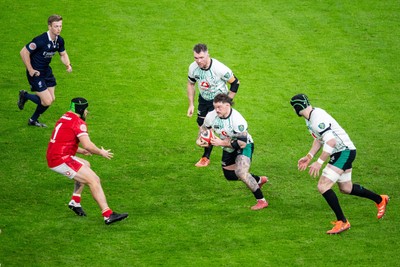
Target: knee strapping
(331, 174)
(345, 177)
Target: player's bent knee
(87, 176)
(345, 187)
(93, 181)
(322, 188)
(46, 103)
(241, 174)
(344, 190)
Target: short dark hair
(200, 48)
(53, 18)
(224, 98)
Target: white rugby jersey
(324, 127)
(227, 127)
(211, 81)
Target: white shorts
(69, 168)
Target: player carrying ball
(237, 146)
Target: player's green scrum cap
(78, 105)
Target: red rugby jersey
(64, 139)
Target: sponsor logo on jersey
(48, 54)
(321, 125)
(32, 46)
(204, 85)
(241, 128)
(227, 75)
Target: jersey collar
(209, 67)
(309, 115)
(55, 40)
(230, 113)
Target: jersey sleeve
(322, 126)
(61, 44)
(80, 128)
(191, 77)
(34, 45)
(223, 71)
(240, 124)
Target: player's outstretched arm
(83, 151)
(92, 148)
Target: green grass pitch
(130, 60)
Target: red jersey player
(70, 130)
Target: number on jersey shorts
(70, 167)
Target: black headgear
(78, 105)
(299, 102)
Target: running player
(211, 77)
(70, 130)
(237, 146)
(37, 56)
(341, 152)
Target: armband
(320, 161)
(235, 144)
(327, 148)
(234, 85)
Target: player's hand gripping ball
(207, 136)
(204, 139)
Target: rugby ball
(207, 135)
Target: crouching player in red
(70, 130)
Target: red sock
(106, 212)
(76, 198)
